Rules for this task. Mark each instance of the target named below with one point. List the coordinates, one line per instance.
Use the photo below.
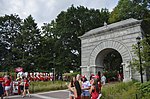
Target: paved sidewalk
(59, 94)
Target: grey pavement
(59, 94)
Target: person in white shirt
(103, 79)
(85, 88)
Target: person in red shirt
(98, 77)
(94, 90)
(26, 87)
(35, 77)
(7, 86)
(41, 78)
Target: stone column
(86, 70)
(127, 72)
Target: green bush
(119, 91)
(130, 90)
(70, 75)
(144, 89)
(13, 74)
(111, 75)
(47, 86)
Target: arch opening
(110, 60)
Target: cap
(83, 76)
(92, 74)
(96, 76)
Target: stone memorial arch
(119, 37)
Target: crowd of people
(21, 82)
(81, 88)
(7, 85)
(37, 76)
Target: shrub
(13, 74)
(144, 89)
(70, 75)
(118, 91)
(47, 86)
(130, 90)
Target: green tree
(146, 42)
(9, 31)
(66, 29)
(125, 9)
(47, 45)
(27, 44)
(145, 47)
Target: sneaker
(99, 96)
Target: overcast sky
(43, 11)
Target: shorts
(7, 88)
(26, 87)
(1, 91)
(71, 93)
(85, 93)
(21, 88)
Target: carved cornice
(112, 27)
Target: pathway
(59, 94)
